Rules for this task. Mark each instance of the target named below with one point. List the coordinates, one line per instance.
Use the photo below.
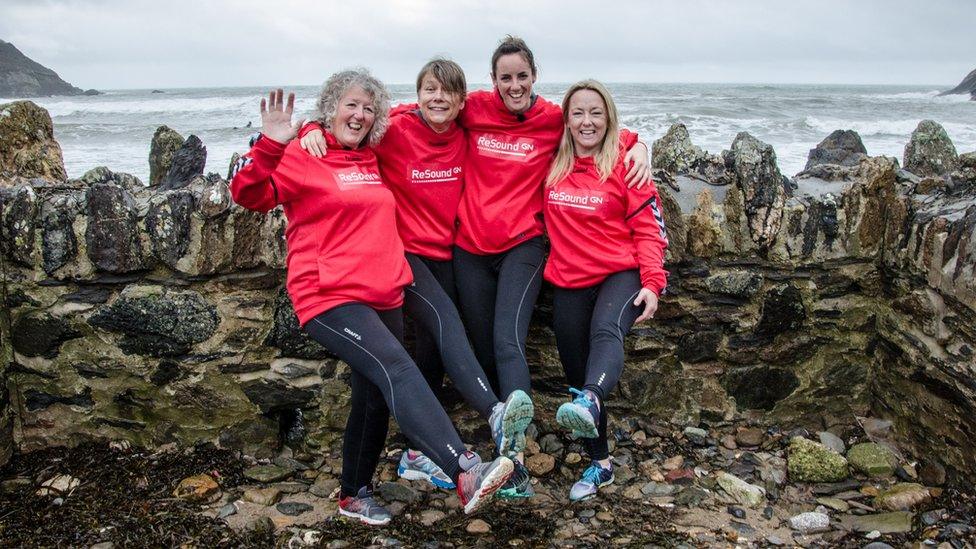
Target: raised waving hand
(276, 114)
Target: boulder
(188, 162)
(158, 323)
(872, 459)
(27, 145)
(112, 235)
(165, 143)
(841, 147)
(930, 152)
(674, 151)
(809, 461)
(764, 187)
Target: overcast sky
(175, 43)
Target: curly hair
(338, 84)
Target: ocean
(115, 129)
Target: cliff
(968, 85)
(23, 77)
(157, 314)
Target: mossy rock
(872, 459)
(810, 461)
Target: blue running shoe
(417, 466)
(594, 477)
(581, 416)
(508, 422)
(519, 485)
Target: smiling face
(354, 117)
(513, 78)
(587, 121)
(438, 106)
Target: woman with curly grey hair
(346, 275)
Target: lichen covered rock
(27, 145)
(872, 459)
(809, 461)
(165, 143)
(930, 151)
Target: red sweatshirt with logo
(508, 159)
(597, 229)
(342, 241)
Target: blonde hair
(606, 158)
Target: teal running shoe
(508, 422)
(581, 416)
(417, 466)
(594, 478)
(519, 485)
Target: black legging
(590, 325)
(442, 343)
(497, 294)
(384, 379)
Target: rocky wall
(156, 314)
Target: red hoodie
(508, 159)
(342, 241)
(597, 229)
(424, 169)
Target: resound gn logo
(434, 175)
(582, 201)
(359, 177)
(505, 147)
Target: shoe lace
(592, 474)
(582, 397)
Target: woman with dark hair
(346, 275)
(421, 159)
(606, 263)
(499, 250)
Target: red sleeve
(309, 126)
(403, 108)
(251, 185)
(649, 234)
(627, 139)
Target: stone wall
(156, 314)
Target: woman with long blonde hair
(606, 263)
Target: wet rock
(40, 334)
(394, 491)
(27, 145)
(674, 151)
(902, 497)
(808, 461)
(737, 512)
(188, 162)
(112, 234)
(262, 496)
(324, 486)
(832, 441)
(749, 436)
(197, 489)
(885, 523)
(165, 143)
(267, 473)
(872, 459)
(754, 165)
(159, 324)
(932, 474)
(477, 526)
(929, 151)
(168, 226)
(287, 335)
(58, 485)
(810, 523)
(293, 508)
(743, 492)
(540, 464)
(841, 147)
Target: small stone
(886, 523)
(872, 459)
(932, 474)
(639, 438)
(103, 545)
(430, 516)
(728, 441)
(540, 464)
(680, 476)
(873, 534)
(808, 461)
(834, 503)
(573, 458)
(262, 496)
(810, 523)
(293, 508)
(478, 526)
(394, 491)
(749, 436)
(57, 502)
(261, 524)
(587, 513)
(551, 444)
(737, 512)
(605, 516)
(673, 462)
(227, 510)
(291, 487)
(58, 485)
(654, 489)
(832, 441)
(324, 487)
(634, 493)
(906, 472)
(531, 447)
(267, 473)
(695, 435)
(740, 490)
(902, 496)
(932, 517)
(774, 541)
(198, 488)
